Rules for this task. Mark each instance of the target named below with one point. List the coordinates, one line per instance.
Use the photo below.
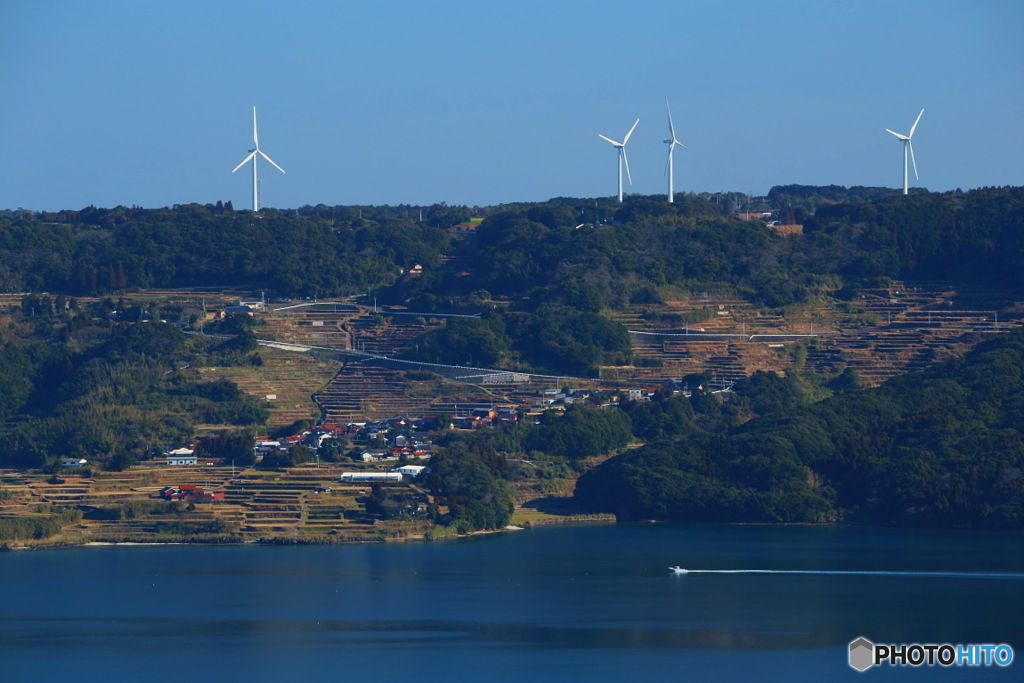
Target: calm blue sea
(590, 603)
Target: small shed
(371, 476)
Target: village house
(377, 456)
(411, 471)
(185, 455)
(254, 305)
(645, 394)
(190, 493)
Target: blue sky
(483, 102)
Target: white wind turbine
(908, 146)
(253, 154)
(671, 142)
(621, 147)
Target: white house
(411, 471)
(182, 459)
(376, 456)
(318, 439)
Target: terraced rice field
(295, 505)
(286, 381)
(884, 333)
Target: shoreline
(279, 541)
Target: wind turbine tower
(254, 153)
(671, 142)
(908, 147)
(621, 147)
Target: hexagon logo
(862, 654)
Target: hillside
(939, 447)
(362, 313)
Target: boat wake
(677, 570)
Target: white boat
(677, 570)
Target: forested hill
(944, 447)
(975, 237)
(311, 252)
(808, 197)
(546, 286)
(584, 253)
(547, 277)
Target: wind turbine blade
(617, 144)
(910, 146)
(911, 133)
(255, 137)
(244, 161)
(622, 150)
(626, 139)
(671, 128)
(901, 136)
(270, 160)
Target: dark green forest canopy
(805, 199)
(561, 254)
(974, 237)
(310, 252)
(612, 254)
(942, 447)
(112, 393)
(470, 480)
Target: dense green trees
(661, 418)
(565, 340)
(810, 197)
(967, 237)
(578, 433)
(548, 252)
(468, 479)
(566, 251)
(233, 446)
(691, 479)
(108, 392)
(40, 527)
(549, 339)
(464, 341)
(308, 252)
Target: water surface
(592, 603)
